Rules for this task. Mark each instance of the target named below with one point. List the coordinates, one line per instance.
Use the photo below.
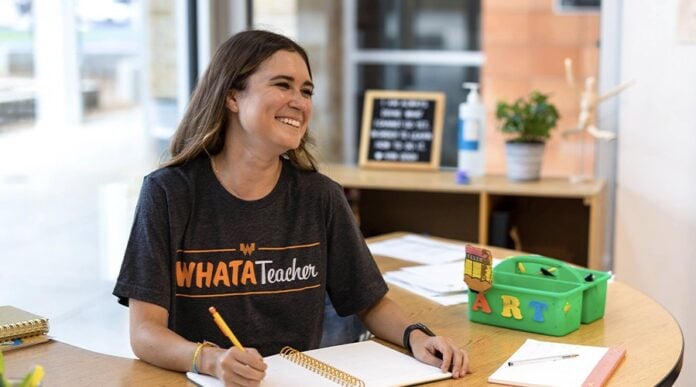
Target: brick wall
(525, 43)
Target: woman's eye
(283, 85)
(307, 92)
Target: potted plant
(530, 122)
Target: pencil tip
(212, 310)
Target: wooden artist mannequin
(589, 99)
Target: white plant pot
(523, 160)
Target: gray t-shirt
(265, 264)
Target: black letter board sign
(401, 129)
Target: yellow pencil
(224, 328)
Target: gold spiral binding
(321, 368)
(24, 329)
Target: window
(409, 45)
(417, 25)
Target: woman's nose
(299, 101)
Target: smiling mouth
(290, 121)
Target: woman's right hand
(240, 368)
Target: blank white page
(564, 372)
(374, 363)
(378, 365)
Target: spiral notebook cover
(369, 361)
(15, 322)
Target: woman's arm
(152, 341)
(388, 321)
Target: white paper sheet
(565, 372)
(419, 249)
(445, 299)
(443, 283)
(444, 278)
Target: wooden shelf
(552, 216)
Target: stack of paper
(440, 279)
(442, 283)
(419, 249)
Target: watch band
(407, 334)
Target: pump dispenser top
(473, 95)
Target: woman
(240, 219)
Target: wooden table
(66, 365)
(651, 336)
(653, 339)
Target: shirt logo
(247, 249)
(226, 272)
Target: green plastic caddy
(542, 295)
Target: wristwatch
(411, 328)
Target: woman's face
(274, 110)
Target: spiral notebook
(366, 363)
(17, 323)
(19, 328)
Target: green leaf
(33, 378)
(3, 382)
(528, 120)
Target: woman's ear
(231, 102)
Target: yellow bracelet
(197, 354)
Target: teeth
(290, 121)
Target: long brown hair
(202, 129)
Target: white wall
(655, 229)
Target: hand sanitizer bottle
(471, 134)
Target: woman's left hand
(441, 352)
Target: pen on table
(541, 359)
(224, 328)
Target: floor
(67, 196)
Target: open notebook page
(374, 363)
